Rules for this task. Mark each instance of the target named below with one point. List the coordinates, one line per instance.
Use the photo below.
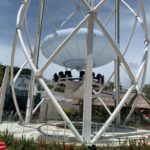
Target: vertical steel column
(3, 91)
(87, 105)
(117, 62)
(35, 61)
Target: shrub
(29, 144)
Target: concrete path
(53, 132)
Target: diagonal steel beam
(60, 47)
(116, 49)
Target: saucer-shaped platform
(73, 55)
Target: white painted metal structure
(73, 55)
(90, 19)
(3, 90)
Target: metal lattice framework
(37, 73)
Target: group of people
(67, 74)
(62, 75)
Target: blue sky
(58, 10)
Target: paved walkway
(52, 131)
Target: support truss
(37, 73)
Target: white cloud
(5, 58)
(5, 54)
(133, 65)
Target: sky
(57, 12)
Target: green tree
(1, 73)
(146, 90)
(109, 87)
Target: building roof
(108, 99)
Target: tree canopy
(2, 69)
(146, 91)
